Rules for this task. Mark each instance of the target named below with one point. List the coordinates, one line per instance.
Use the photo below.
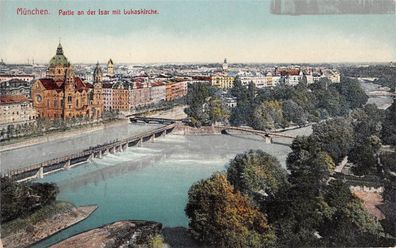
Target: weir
(66, 162)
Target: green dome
(59, 58)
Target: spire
(59, 50)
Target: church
(63, 95)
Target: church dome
(59, 58)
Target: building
(139, 95)
(107, 96)
(222, 81)
(120, 97)
(16, 87)
(63, 95)
(258, 81)
(157, 92)
(110, 68)
(16, 109)
(176, 90)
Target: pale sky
(192, 31)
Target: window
(77, 103)
(55, 103)
(69, 99)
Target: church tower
(225, 65)
(97, 97)
(110, 68)
(58, 65)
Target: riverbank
(42, 224)
(58, 135)
(126, 233)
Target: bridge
(66, 162)
(148, 120)
(221, 129)
(382, 93)
(266, 134)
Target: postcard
(197, 123)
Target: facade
(139, 95)
(107, 96)
(259, 81)
(16, 109)
(62, 95)
(175, 90)
(222, 81)
(157, 92)
(120, 97)
(16, 87)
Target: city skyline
(193, 32)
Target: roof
(13, 99)
(59, 58)
(50, 84)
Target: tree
(336, 137)
(353, 93)
(349, 224)
(242, 113)
(19, 200)
(309, 166)
(389, 126)
(364, 156)
(221, 217)
(268, 115)
(197, 96)
(217, 112)
(293, 112)
(256, 172)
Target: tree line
(257, 203)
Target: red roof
(11, 99)
(50, 84)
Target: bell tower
(97, 97)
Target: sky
(188, 31)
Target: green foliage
(20, 200)
(268, 115)
(198, 94)
(217, 112)
(353, 93)
(299, 104)
(364, 156)
(349, 224)
(389, 126)
(336, 137)
(294, 113)
(221, 217)
(256, 172)
(242, 113)
(204, 107)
